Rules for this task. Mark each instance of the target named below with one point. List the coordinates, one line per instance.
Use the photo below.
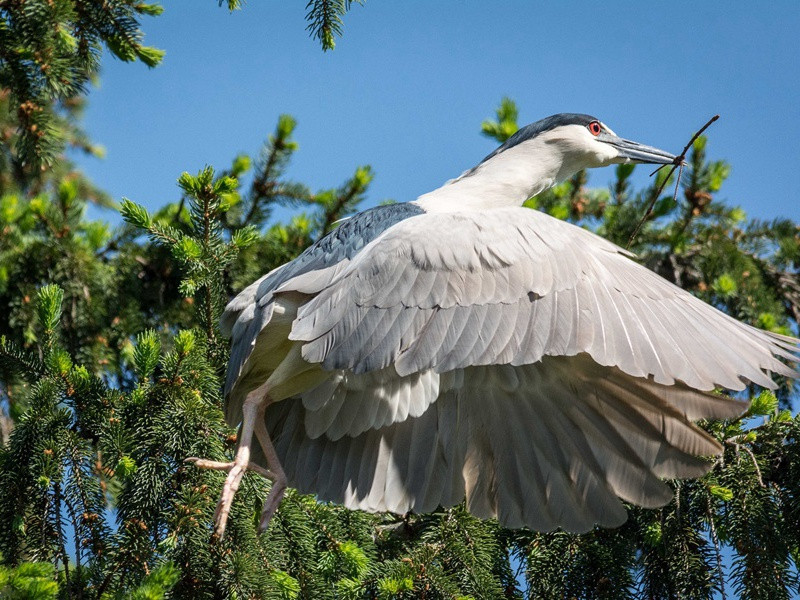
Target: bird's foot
(236, 470)
(252, 423)
(202, 463)
(235, 474)
(272, 502)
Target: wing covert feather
(513, 285)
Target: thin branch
(61, 544)
(263, 186)
(755, 464)
(332, 215)
(109, 576)
(715, 541)
(676, 164)
(738, 447)
(209, 299)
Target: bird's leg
(279, 481)
(252, 410)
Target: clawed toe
(203, 463)
(272, 502)
(235, 473)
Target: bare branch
(677, 164)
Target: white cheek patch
(606, 154)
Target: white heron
(461, 346)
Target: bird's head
(579, 141)
(537, 157)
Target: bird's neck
(507, 179)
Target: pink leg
(240, 462)
(279, 481)
(253, 410)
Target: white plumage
(486, 351)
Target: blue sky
(410, 82)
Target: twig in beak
(676, 164)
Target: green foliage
(506, 124)
(50, 50)
(325, 20)
(28, 581)
(156, 585)
(287, 586)
(146, 354)
(765, 403)
(134, 214)
(48, 307)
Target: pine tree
(49, 51)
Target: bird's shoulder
(341, 244)
(477, 239)
(344, 242)
(357, 231)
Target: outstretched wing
(514, 360)
(445, 291)
(553, 444)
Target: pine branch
(337, 203)
(48, 53)
(17, 360)
(267, 187)
(325, 20)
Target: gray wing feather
(553, 444)
(513, 285)
(246, 316)
(350, 403)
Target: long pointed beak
(639, 153)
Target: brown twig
(676, 164)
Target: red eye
(594, 128)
